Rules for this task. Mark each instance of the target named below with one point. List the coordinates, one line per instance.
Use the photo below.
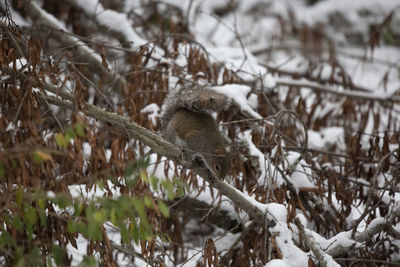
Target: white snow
(292, 255)
(112, 19)
(239, 94)
(153, 110)
(254, 151)
(119, 22)
(326, 138)
(10, 127)
(19, 63)
(54, 22)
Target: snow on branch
(323, 258)
(378, 225)
(323, 89)
(116, 23)
(80, 49)
(342, 242)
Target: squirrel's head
(218, 164)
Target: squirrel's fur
(186, 121)
(194, 98)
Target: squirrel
(186, 121)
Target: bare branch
(320, 88)
(323, 258)
(80, 49)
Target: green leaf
(180, 187)
(35, 258)
(148, 202)
(7, 239)
(134, 230)
(113, 216)
(100, 184)
(169, 187)
(131, 176)
(2, 171)
(89, 212)
(139, 208)
(154, 183)
(130, 169)
(40, 156)
(61, 140)
(82, 228)
(100, 216)
(163, 208)
(62, 201)
(21, 263)
(72, 227)
(70, 134)
(18, 223)
(88, 261)
(14, 163)
(94, 231)
(145, 232)
(41, 203)
(58, 254)
(143, 163)
(144, 177)
(19, 195)
(43, 218)
(124, 234)
(37, 157)
(30, 215)
(80, 129)
(78, 207)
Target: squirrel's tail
(197, 98)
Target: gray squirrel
(186, 121)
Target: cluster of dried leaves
(33, 131)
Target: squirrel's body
(186, 122)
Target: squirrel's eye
(217, 168)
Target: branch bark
(193, 208)
(351, 94)
(323, 258)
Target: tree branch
(80, 49)
(319, 88)
(323, 258)
(193, 208)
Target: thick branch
(323, 258)
(374, 229)
(367, 234)
(133, 130)
(193, 208)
